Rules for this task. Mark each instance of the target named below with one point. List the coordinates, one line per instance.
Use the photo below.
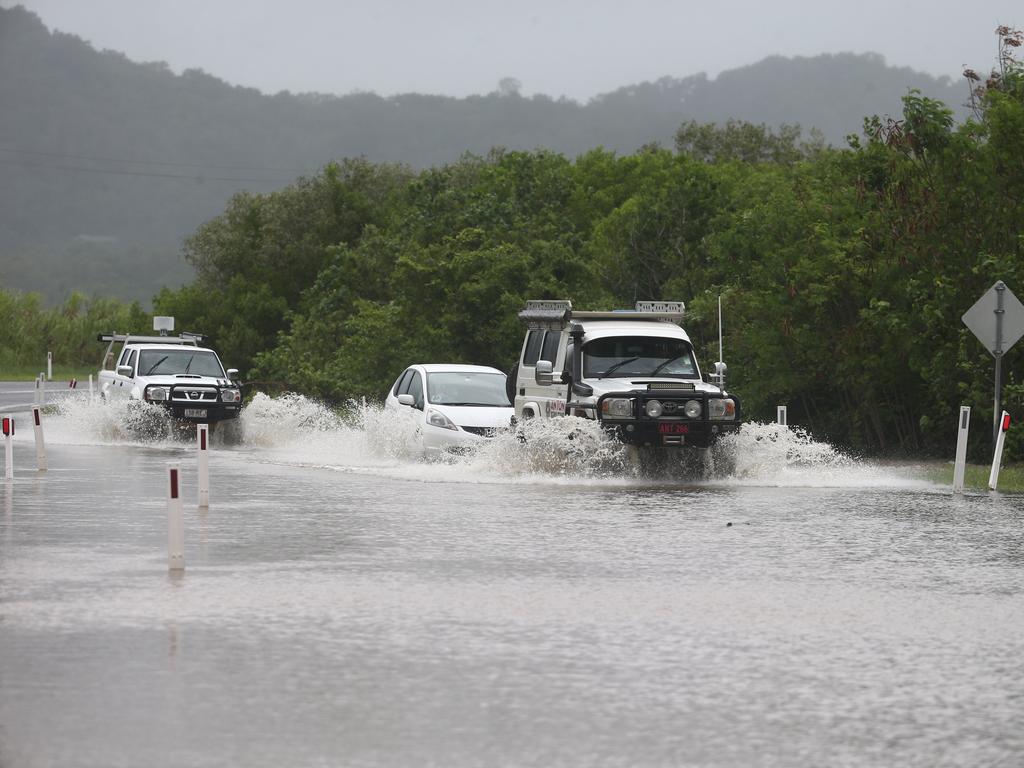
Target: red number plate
(673, 429)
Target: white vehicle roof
(168, 347)
(456, 368)
(601, 329)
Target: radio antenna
(719, 327)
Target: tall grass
(28, 331)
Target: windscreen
(482, 389)
(154, 362)
(638, 356)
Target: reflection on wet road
(344, 604)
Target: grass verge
(61, 375)
(1011, 476)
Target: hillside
(108, 162)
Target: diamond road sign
(981, 319)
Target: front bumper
(204, 414)
(675, 431)
(438, 441)
(200, 403)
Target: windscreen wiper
(154, 366)
(618, 365)
(662, 365)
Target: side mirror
(542, 374)
(406, 399)
(124, 370)
(232, 373)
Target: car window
(416, 389)
(550, 349)
(639, 356)
(403, 378)
(131, 362)
(123, 360)
(406, 380)
(199, 362)
(532, 351)
(470, 388)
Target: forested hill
(107, 162)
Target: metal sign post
(997, 319)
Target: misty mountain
(108, 163)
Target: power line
(174, 163)
(148, 174)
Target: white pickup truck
(634, 371)
(171, 371)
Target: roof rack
(557, 314)
(183, 338)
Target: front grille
(481, 431)
(194, 395)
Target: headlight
(722, 409)
(617, 408)
(692, 409)
(653, 409)
(156, 393)
(230, 395)
(438, 419)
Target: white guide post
(49, 366)
(8, 424)
(91, 393)
(781, 418)
(997, 458)
(40, 445)
(42, 389)
(175, 519)
(961, 449)
(203, 464)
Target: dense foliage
(107, 164)
(843, 272)
(29, 330)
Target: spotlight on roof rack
(163, 324)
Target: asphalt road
(20, 396)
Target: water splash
(364, 437)
(296, 428)
(81, 419)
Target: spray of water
(83, 420)
(364, 437)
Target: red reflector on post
(1006, 422)
(35, 415)
(174, 483)
(202, 440)
(8, 427)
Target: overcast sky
(576, 48)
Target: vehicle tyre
(144, 423)
(720, 460)
(230, 432)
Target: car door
(120, 385)
(550, 347)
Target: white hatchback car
(454, 406)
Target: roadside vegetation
(843, 272)
(1011, 477)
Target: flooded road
(531, 605)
